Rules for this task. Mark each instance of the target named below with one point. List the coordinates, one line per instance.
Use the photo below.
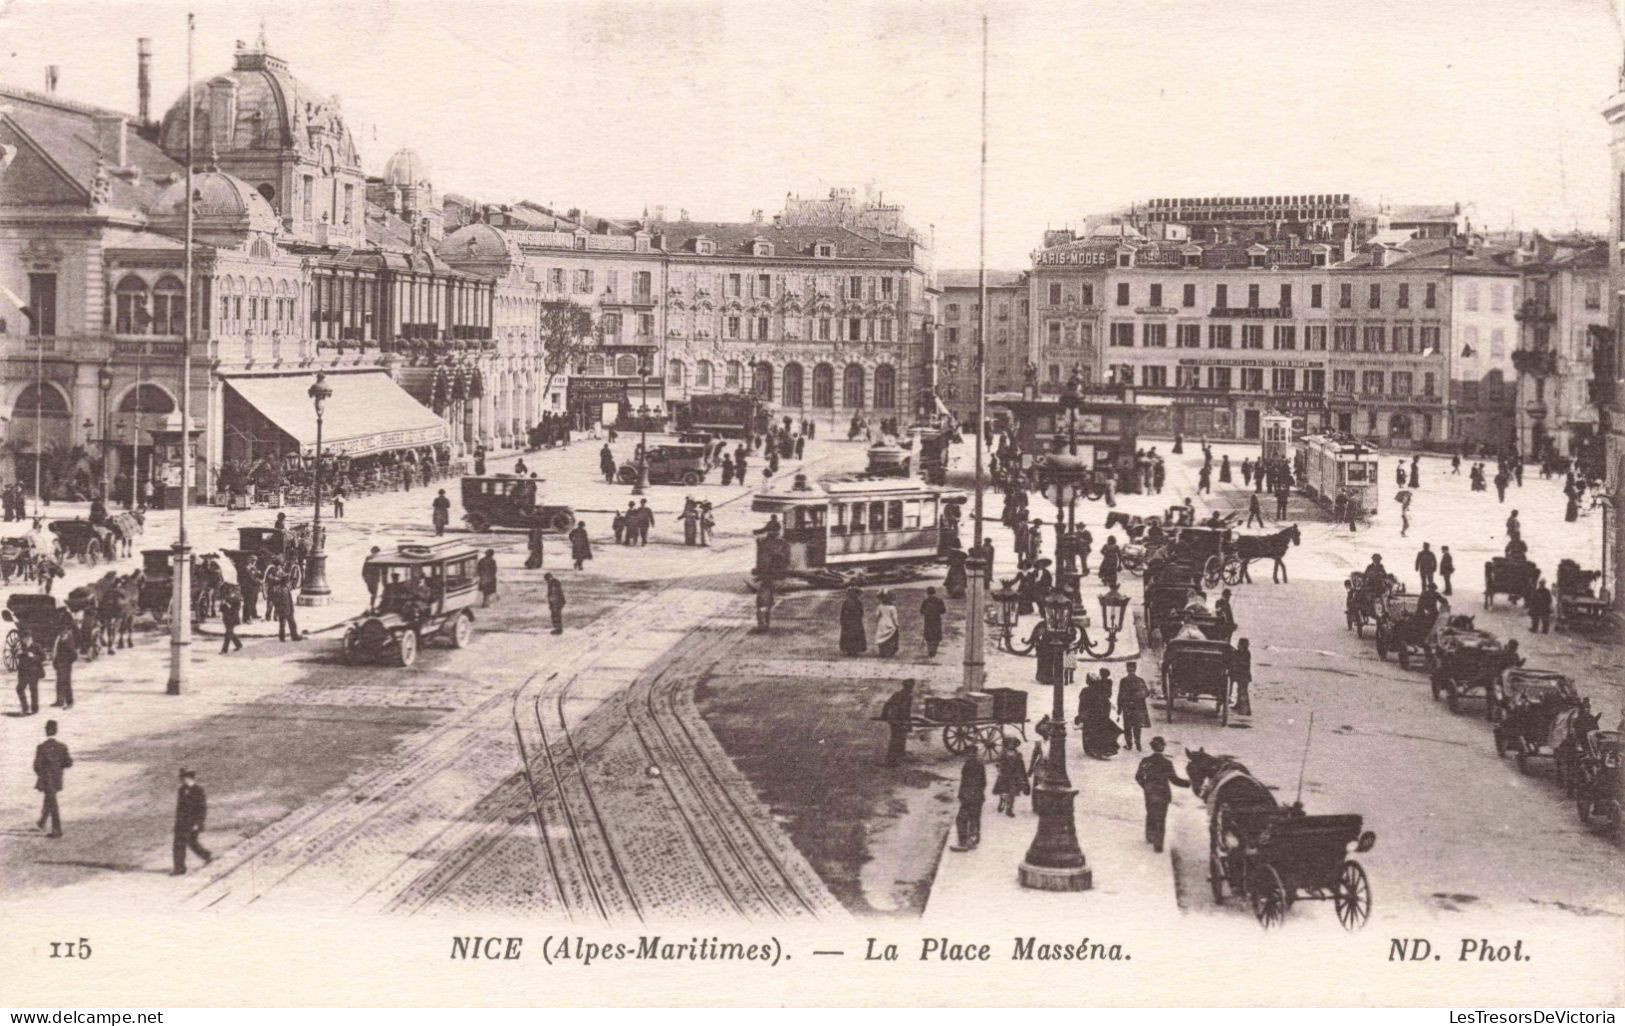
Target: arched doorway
(852, 387)
(792, 384)
(823, 389)
(885, 387)
(40, 423)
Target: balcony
(635, 299)
(1535, 312)
(1542, 363)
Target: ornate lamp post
(315, 591)
(642, 484)
(1006, 616)
(104, 381)
(1055, 862)
(1113, 607)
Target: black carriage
(1164, 602)
(158, 584)
(1601, 787)
(1526, 705)
(1363, 594)
(1576, 600)
(37, 617)
(1466, 660)
(1274, 855)
(1197, 669)
(18, 558)
(976, 720)
(84, 541)
(289, 545)
(1208, 550)
(1514, 578)
(502, 500)
(1404, 628)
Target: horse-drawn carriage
(427, 591)
(106, 609)
(37, 617)
(1465, 660)
(1363, 594)
(80, 539)
(19, 558)
(207, 582)
(1600, 790)
(1514, 578)
(1405, 628)
(1208, 550)
(288, 545)
(1197, 669)
(1577, 603)
(1167, 611)
(1274, 855)
(1538, 712)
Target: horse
(1203, 769)
(117, 613)
(1267, 546)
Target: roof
(406, 168)
(416, 552)
(1407, 212)
(962, 279)
(733, 239)
(220, 202)
(65, 132)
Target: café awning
(368, 413)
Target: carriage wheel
(1232, 570)
(1268, 896)
(91, 556)
(408, 648)
(1212, 572)
(991, 738)
(958, 738)
(14, 645)
(1353, 897)
(1215, 876)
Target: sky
(720, 109)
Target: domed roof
(220, 202)
(406, 169)
(274, 111)
(479, 243)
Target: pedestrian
(371, 575)
(690, 518)
(1131, 697)
(887, 635)
(479, 462)
(63, 656)
(580, 544)
(535, 542)
(1455, 464)
(765, 597)
(1540, 609)
(1012, 779)
(1514, 528)
(191, 809)
(555, 602)
(1404, 519)
(1204, 480)
(1501, 485)
(932, 610)
(1154, 775)
(252, 582)
(1254, 510)
(1352, 512)
(51, 759)
(287, 625)
(1159, 474)
(707, 523)
(1447, 566)
(1281, 495)
(1241, 674)
(645, 520)
(1416, 472)
(618, 525)
(898, 712)
(606, 464)
(1426, 564)
(853, 639)
(442, 511)
(1223, 610)
(972, 793)
(486, 570)
(30, 668)
(338, 503)
(231, 616)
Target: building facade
(1562, 284)
(958, 332)
(1611, 362)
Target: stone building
(1610, 392)
(1563, 281)
(959, 311)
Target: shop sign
(1077, 258)
(1156, 310)
(1209, 361)
(596, 390)
(1250, 312)
(1165, 257)
(1291, 259)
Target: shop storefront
(614, 400)
(367, 415)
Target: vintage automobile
(1527, 706)
(1197, 669)
(1466, 660)
(1403, 630)
(426, 591)
(677, 463)
(1601, 788)
(503, 500)
(1514, 578)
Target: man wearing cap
(1156, 772)
(972, 793)
(191, 808)
(1131, 696)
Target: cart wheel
(991, 738)
(1353, 897)
(691, 478)
(1215, 877)
(462, 629)
(477, 523)
(14, 645)
(562, 522)
(408, 648)
(958, 738)
(1232, 571)
(1268, 896)
(1212, 572)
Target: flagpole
(180, 620)
(977, 574)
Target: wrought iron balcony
(1542, 363)
(1536, 312)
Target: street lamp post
(1054, 861)
(642, 484)
(315, 591)
(104, 380)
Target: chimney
(222, 112)
(111, 137)
(51, 73)
(143, 79)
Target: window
(304, 197)
(1401, 382)
(885, 287)
(1188, 296)
(1218, 379)
(1283, 379)
(1343, 381)
(1286, 336)
(1374, 300)
(1221, 296)
(760, 328)
(1286, 297)
(555, 279)
(1252, 336)
(1471, 296)
(1252, 379)
(1188, 377)
(731, 327)
(1086, 334)
(854, 287)
(1430, 296)
(583, 280)
(42, 302)
(1122, 293)
(1316, 296)
(1188, 336)
(642, 284)
(349, 204)
(131, 306)
(1593, 295)
(646, 325)
(852, 386)
(1088, 293)
(824, 329)
(1125, 260)
(1218, 336)
(1055, 293)
(1154, 376)
(733, 287)
(1497, 298)
(1122, 333)
(1314, 381)
(1498, 344)
(1121, 373)
(1156, 295)
(1193, 260)
(824, 249)
(763, 286)
(1054, 333)
(1427, 384)
(1156, 335)
(952, 313)
(823, 391)
(1404, 338)
(1252, 297)
(885, 331)
(761, 381)
(1371, 382)
(1404, 300)
(1021, 306)
(1255, 260)
(702, 374)
(1314, 338)
(1004, 311)
(886, 387)
(611, 324)
(675, 372)
(1373, 338)
(1345, 295)
(1429, 338)
(854, 329)
(705, 247)
(734, 373)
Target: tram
(1329, 465)
(1276, 437)
(854, 530)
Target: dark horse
(1267, 546)
(1203, 769)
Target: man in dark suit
(972, 794)
(555, 602)
(30, 668)
(898, 712)
(50, 759)
(1154, 776)
(191, 809)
